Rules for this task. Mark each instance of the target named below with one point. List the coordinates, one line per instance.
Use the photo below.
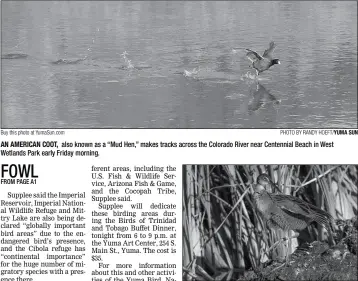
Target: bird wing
(290, 203)
(253, 56)
(301, 208)
(275, 221)
(269, 51)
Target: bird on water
(286, 212)
(264, 62)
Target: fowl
(264, 62)
(286, 212)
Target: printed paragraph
(134, 215)
(42, 233)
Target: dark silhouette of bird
(285, 212)
(264, 62)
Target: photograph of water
(178, 64)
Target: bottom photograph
(270, 222)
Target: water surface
(171, 65)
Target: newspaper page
(178, 140)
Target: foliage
(223, 232)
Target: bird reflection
(260, 96)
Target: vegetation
(223, 233)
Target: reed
(222, 232)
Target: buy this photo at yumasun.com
(270, 222)
(179, 64)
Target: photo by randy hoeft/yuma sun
(179, 64)
(284, 222)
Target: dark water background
(171, 64)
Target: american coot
(264, 62)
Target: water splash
(127, 61)
(192, 73)
(248, 75)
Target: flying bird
(264, 62)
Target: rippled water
(171, 64)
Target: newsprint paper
(184, 140)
